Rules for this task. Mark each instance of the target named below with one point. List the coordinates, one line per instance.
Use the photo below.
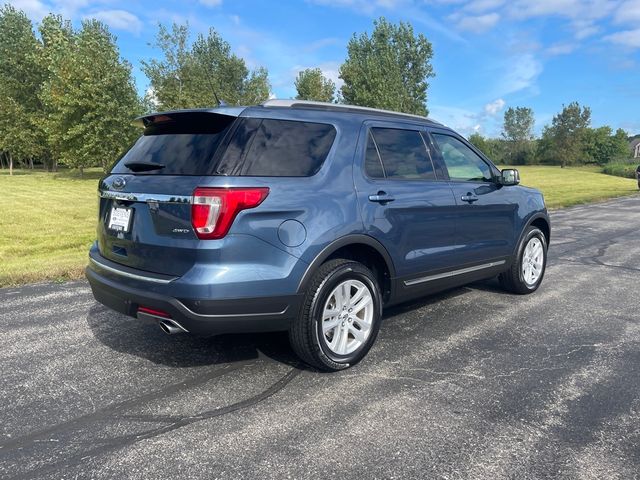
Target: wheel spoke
(330, 324)
(359, 335)
(335, 341)
(363, 304)
(362, 291)
(342, 344)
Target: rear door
(485, 212)
(404, 204)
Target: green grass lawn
(563, 187)
(47, 221)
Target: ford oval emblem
(118, 183)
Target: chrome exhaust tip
(171, 327)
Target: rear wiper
(143, 166)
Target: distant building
(635, 146)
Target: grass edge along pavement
(48, 220)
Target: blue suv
(306, 217)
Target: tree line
(568, 140)
(68, 97)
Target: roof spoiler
(172, 115)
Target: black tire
(513, 280)
(305, 333)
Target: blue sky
(488, 54)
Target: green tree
(311, 84)
(90, 95)
(388, 69)
(491, 147)
(563, 141)
(201, 74)
(517, 132)
(602, 146)
(58, 41)
(21, 76)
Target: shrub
(626, 168)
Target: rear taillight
(214, 209)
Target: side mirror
(509, 176)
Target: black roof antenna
(221, 103)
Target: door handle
(469, 198)
(381, 197)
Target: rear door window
(403, 155)
(277, 148)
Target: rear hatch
(189, 174)
(145, 201)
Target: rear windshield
(178, 145)
(254, 147)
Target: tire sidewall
(352, 271)
(531, 233)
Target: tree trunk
(30, 163)
(10, 164)
(81, 172)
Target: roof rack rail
(276, 102)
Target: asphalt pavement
(472, 383)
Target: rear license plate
(120, 219)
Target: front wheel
(527, 271)
(340, 317)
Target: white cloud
(211, 3)
(574, 9)
(582, 13)
(628, 12)
(118, 20)
(493, 108)
(478, 24)
(460, 119)
(560, 49)
(35, 9)
(584, 30)
(628, 38)
(480, 6)
(367, 6)
(521, 73)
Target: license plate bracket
(120, 219)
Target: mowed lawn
(563, 187)
(47, 221)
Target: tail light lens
(214, 209)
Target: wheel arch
(358, 247)
(539, 220)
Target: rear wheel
(527, 271)
(340, 317)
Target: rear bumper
(199, 316)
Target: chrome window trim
(130, 275)
(453, 273)
(145, 197)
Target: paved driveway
(473, 383)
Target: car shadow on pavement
(146, 340)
